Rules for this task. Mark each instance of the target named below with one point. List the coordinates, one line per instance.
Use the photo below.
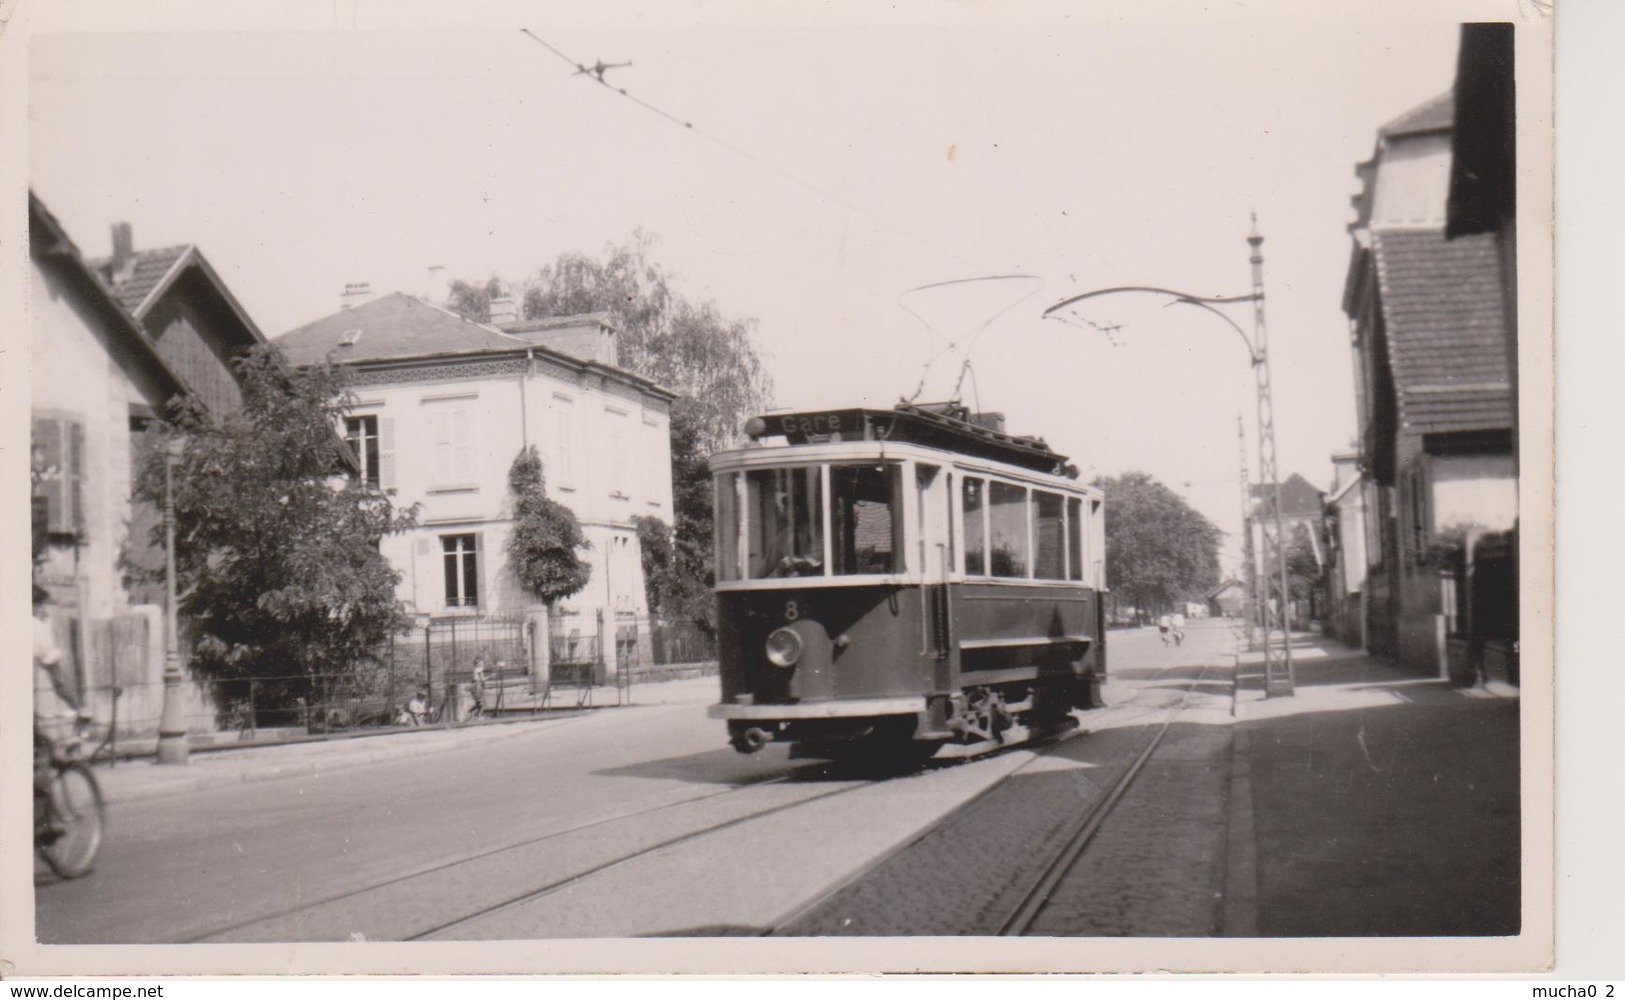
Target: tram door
(936, 556)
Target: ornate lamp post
(1276, 591)
(172, 745)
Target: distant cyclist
(1178, 629)
(1165, 628)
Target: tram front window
(866, 508)
(785, 522)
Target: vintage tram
(905, 583)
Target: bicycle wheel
(76, 799)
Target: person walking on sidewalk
(477, 688)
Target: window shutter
(76, 474)
(463, 445)
(476, 583)
(53, 468)
(386, 453)
(442, 447)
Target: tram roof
(942, 426)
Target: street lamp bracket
(1207, 302)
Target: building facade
(1433, 387)
(1345, 550)
(443, 405)
(1302, 531)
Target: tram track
(540, 892)
(1077, 839)
(803, 773)
(514, 854)
(1016, 919)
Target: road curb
(1238, 916)
(168, 787)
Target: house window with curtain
(361, 434)
(461, 557)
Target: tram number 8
(791, 612)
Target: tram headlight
(783, 647)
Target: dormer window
(349, 338)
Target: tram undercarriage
(969, 723)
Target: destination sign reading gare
(811, 423)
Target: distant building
(443, 405)
(1227, 600)
(1302, 521)
(113, 341)
(1433, 387)
(1345, 551)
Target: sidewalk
(1375, 802)
(232, 764)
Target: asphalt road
(623, 822)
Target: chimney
(437, 292)
(123, 264)
(355, 293)
(504, 310)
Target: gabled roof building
(110, 347)
(443, 405)
(1433, 383)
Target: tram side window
(1008, 522)
(865, 514)
(971, 494)
(727, 507)
(1074, 538)
(785, 522)
(1048, 529)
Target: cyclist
(55, 712)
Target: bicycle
(69, 815)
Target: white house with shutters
(442, 407)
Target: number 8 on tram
(904, 583)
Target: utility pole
(1273, 591)
(1277, 592)
(1249, 573)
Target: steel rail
(1037, 895)
(307, 906)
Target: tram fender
(814, 676)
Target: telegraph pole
(1277, 591)
(1273, 592)
(1250, 603)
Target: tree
(276, 551)
(1159, 549)
(1303, 567)
(678, 562)
(473, 301)
(691, 348)
(543, 548)
(710, 360)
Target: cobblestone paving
(1156, 866)
(1160, 868)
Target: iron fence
(434, 662)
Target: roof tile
(1445, 318)
(150, 268)
(394, 326)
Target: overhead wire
(974, 336)
(587, 71)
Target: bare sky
(834, 162)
